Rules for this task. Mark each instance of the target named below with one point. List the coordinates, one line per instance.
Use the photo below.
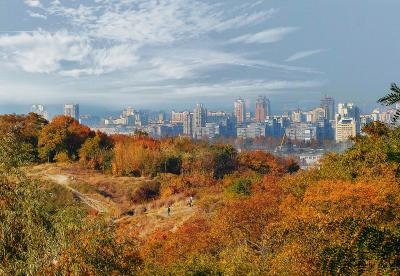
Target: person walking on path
(191, 201)
(169, 210)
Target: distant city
(306, 133)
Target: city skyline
(250, 106)
(324, 122)
(93, 53)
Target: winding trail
(64, 181)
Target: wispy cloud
(304, 54)
(245, 20)
(175, 48)
(268, 36)
(248, 88)
(36, 15)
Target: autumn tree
(96, 152)
(266, 163)
(64, 135)
(25, 128)
(38, 237)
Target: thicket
(40, 235)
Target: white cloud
(159, 48)
(246, 87)
(43, 52)
(109, 26)
(268, 36)
(79, 16)
(150, 21)
(245, 20)
(37, 15)
(33, 3)
(116, 57)
(105, 60)
(304, 54)
(153, 21)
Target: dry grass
(116, 192)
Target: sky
(171, 54)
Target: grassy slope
(113, 193)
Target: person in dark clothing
(169, 210)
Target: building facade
(40, 110)
(302, 132)
(345, 129)
(328, 104)
(240, 112)
(72, 110)
(262, 109)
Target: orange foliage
(266, 163)
(191, 238)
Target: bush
(173, 165)
(241, 187)
(62, 157)
(146, 191)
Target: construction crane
(285, 145)
(283, 140)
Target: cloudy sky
(173, 53)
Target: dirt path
(158, 218)
(147, 218)
(64, 181)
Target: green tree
(96, 152)
(240, 187)
(392, 98)
(225, 160)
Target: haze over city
(173, 54)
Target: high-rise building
(39, 109)
(141, 118)
(188, 124)
(72, 110)
(302, 132)
(328, 104)
(349, 111)
(161, 117)
(262, 109)
(268, 111)
(178, 117)
(318, 115)
(251, 131)
(240, 112)
(128, 112)
(345, 129)
(298, 116)
(199, 116)
(199, 121)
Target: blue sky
(162, 54)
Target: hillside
(100, 206)
(109, 196)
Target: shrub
(146, 191)
(241, 187)
(62, 157)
